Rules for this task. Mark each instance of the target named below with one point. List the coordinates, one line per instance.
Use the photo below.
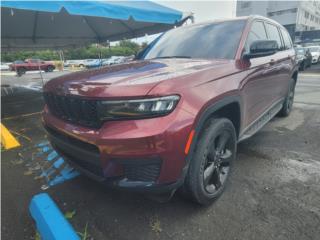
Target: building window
(245, 4)
(312, 18)
(306, 15)
(293, 10)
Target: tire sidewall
(198, 161)
(291, 88)
(21, 71)
(50, 68)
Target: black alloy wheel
(21, 71)
(50, 69)
(288, 102)
(217, 166)
(211, 162)
(290, 97)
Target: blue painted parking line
(48, 165)
(52, 155)
(51, 223)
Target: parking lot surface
(273, 193)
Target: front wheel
(50, 69)
(288, 102)
(211, 163)
(21, 71)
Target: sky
(202, 11)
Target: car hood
(136, 78)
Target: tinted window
(286, 39)
(300, 51)
(257, 32)
(273, 34)
(35, 60)
(215, 40)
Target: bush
(123, 48)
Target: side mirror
(262, 48)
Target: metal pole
(40, 74)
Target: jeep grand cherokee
(172, 118)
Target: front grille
(73, 109)
(145, 172)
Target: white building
(294, 15)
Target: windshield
(215, 40)
(314, 49)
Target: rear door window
(273, 34)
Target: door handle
(272, 62)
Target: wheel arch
(229, 107)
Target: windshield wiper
(172, 57)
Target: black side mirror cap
(262, 48)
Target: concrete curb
(50, 222)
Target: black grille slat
(145, 172)
(73, 109)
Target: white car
(78, 63)
(4, 66)
(315, 52)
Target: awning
(59, 24)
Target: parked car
(78, 63)
(115, 60)
(97, 63)
(21, 67)
(109, 61)
(4, 66)
(315, 52)
(304, 58)
(173, 117)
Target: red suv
(31, 65)
(173, 117)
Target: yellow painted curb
(8, 141)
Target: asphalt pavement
(273, 193)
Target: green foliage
(123, 48)
(70, 214)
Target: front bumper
(146, 155)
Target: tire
(288, 102)
(21, 71)
(210, 167)
(50, 69)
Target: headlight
(139, 108)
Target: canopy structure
(61, 24)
